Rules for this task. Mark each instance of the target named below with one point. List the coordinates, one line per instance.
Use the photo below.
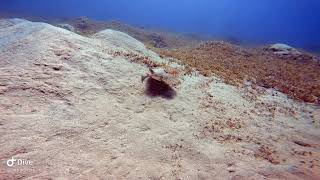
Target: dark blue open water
(296, 22)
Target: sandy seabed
(77, 111)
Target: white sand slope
(78, 112)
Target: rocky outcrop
(283, 49)
(122, 40)
(287, 52)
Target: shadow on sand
(155, 88)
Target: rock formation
(283, 49)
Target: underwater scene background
(295, 22)
(159, 89)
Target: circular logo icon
(10, 162)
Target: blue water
(296, 22)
